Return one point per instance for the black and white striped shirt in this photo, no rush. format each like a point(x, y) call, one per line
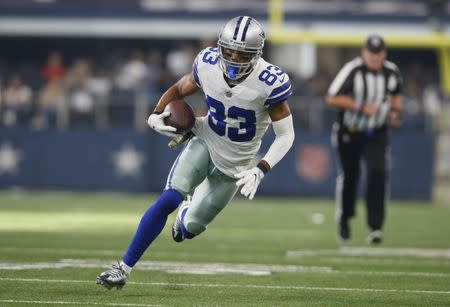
point(364, 85)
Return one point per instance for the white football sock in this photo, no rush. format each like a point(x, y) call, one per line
point(125, 267)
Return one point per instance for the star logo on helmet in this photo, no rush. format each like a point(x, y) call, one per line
point(262, 34)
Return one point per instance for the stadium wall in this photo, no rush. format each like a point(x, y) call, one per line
point(126, 160)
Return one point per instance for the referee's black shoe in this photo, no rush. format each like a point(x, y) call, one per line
point(344, 231)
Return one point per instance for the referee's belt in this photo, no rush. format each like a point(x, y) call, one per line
point(353, 130)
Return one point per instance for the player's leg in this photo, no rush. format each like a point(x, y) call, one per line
point(188, 170)
point(376, 155)
point(209, 198)
point(187, 177)
point(150, 226)
point(177, 231)
point(349, 151)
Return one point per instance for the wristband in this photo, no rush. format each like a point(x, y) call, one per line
point(263, 167)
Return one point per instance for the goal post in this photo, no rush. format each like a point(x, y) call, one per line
point(279, 33)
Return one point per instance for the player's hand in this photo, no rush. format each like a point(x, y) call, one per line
point(395, 119)
point(156, 122)
point(370, 108)
point(249, 180)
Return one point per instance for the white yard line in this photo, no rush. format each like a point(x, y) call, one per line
point(172, 267)
point(373, 251)
point(35, 280)
point(388, 273)
point(382, 260)
point(211, 268)
point(74, 303)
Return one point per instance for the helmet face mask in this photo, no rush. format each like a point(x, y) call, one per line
point(236, 66)
point(240, 46)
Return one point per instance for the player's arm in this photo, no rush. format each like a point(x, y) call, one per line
point(347, 102)
point(396, 109)
point(339, 90)
point(284, 137)
point(282, 125)
point(396, 87)
point(341, 101)
point(184, 87)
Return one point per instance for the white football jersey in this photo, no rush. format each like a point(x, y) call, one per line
point(237, 118)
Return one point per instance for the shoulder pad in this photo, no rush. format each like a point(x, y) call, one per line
point(279, 84)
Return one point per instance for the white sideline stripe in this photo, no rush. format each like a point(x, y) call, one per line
point(74, 303)
point(387, 273)
point(245, 269)
point(173, 267)
point(236, 286)
point(379, 251)
point(386, 261)
point(210, 268)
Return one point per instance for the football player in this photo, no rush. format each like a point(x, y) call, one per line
point(244, 94)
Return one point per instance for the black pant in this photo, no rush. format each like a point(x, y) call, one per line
point(371, 148)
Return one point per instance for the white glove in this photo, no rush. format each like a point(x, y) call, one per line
point(249, 180)
point(156, 122)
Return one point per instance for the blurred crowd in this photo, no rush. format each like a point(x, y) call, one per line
point(119, 90)
point(122, 87)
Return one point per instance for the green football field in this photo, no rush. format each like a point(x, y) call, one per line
point(265, 252)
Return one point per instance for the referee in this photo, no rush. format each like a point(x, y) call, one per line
point(367, 93)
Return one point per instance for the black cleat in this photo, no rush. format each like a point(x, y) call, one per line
point(344, 231)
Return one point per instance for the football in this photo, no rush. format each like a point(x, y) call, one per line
point(181, 116)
